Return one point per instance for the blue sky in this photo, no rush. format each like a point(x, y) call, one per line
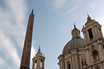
point(53, 23)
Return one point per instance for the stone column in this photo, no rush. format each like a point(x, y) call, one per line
point(33, 65)
point(38, 63)
point(101, 55)
point(63, 64)
point(93, 31)
point(84, 33)
point(96, 30)
point(73, 62)
point(43, 64)
point(88, 57)
point(87, 35)
point(100, 32)
point(77, 61)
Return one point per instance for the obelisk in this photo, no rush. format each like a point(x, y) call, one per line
point(25, 61)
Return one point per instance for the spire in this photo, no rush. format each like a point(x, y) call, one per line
point(74, 26)
point(38, 60)
point(39, 50)
point(88, 18)
point(75, 32)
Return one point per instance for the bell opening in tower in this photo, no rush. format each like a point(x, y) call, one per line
point(90, 33)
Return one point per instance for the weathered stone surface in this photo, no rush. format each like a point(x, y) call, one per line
point(25, 61)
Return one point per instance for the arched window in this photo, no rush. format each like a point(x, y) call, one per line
point(97, 67)
point(83, 61)
point(90, 33)
point(68, 65)
point(95, 55)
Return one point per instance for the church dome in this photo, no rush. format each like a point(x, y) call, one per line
point(75, 42)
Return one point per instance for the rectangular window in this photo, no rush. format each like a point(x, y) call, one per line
point(69, 66)
point(90, 33)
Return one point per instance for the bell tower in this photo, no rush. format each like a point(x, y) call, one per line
point(25, 61)
point(92, 31)
point(75, 32)
point(93, 43)
point(38, 60)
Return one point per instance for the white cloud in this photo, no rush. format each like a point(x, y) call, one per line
point(92, 5)
point(2, 61)
point(73, 6)
point(64, 6)
point(17, 11)
point(56, 4)
point(59, 3)
point(33, 52)
point(12, 30)
point(7, 46)
point(71, 10)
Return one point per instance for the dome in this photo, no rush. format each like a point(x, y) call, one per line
point(73, 44)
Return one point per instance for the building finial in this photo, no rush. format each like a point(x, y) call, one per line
point(88, 15)
point(75, 32)
point(39, 46)
point(88, 18)
point(39, 49)
point(32, 10)
point(74, 26)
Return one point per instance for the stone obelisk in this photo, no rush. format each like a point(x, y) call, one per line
point(25, 61)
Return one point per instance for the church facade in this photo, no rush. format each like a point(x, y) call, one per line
point(78, 53)
point(87, 53)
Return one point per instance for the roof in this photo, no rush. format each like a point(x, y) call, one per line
point(75, 43)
